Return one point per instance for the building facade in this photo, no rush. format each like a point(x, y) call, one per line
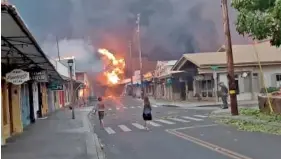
point(209, 69)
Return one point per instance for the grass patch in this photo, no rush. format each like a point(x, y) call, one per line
point(252, 127)
point(256, 113)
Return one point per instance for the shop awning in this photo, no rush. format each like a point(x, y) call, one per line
point(19, 48)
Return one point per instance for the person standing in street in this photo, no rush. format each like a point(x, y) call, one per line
point(224, 95)
point(100, 108)
point(147, 112)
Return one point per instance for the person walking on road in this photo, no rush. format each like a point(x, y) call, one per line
point(100, 108)
point(147, 111)
point(224, 95)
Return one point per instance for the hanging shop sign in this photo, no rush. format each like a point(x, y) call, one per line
point(55, 86)
point(39, 76)
point(17, 76)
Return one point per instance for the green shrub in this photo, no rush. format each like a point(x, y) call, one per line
point(269, 90)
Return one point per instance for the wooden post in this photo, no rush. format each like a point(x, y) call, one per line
point(229, 56)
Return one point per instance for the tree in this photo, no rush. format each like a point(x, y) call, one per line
point(260, 19)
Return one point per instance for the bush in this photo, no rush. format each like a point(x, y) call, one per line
point(269, 89)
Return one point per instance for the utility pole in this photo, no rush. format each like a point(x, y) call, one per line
point(140, 53)
point(58, 48)
point(131, 62)
point(131, 66)
point(229, 56)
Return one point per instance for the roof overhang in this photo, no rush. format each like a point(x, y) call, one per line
point(170, 74)
point(178, 64)
point(19, 49)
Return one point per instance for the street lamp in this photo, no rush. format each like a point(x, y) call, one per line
point(70, 64)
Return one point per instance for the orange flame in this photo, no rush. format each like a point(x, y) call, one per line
point(117, 67)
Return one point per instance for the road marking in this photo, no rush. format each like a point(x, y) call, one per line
point(208, 145)
point(190, 118)
point(124, 128)
point(109, 130)
point(137, 125)
point(139, 106)
point(117, 108)
point(109, 109)
point(180, 120)
point(132, 107)
point(125, 107)
point(165, 121)
point(198, 126)
point(154, 124)
point(155, 106)
point(200, 116)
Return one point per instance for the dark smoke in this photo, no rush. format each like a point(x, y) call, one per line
point(169, 28)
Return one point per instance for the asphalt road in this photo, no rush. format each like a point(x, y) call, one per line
point(176, 133)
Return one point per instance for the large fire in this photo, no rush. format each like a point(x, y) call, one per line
point(116, 67)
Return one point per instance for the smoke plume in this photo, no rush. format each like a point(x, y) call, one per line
point(169, 28)
point(80, 48)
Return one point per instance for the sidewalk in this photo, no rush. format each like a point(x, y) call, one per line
point(57, 137)
point(188, 104)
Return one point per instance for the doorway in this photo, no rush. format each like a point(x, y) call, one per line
point(31, 104)
point(25, 105)
point(183, 91)
point(39, 112)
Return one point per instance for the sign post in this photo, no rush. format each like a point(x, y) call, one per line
point(215, 76)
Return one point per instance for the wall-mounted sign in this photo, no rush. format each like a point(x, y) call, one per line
point(39, 76)
point(214, 68)
point(17, 76)
point(55, 86)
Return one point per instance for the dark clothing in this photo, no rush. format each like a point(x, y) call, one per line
point(147, 116)
point(224, 95)
point(224, 102)
point(147, 113)
point(224, 91)
point(101, 114)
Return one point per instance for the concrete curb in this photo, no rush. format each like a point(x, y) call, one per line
point(94, 149)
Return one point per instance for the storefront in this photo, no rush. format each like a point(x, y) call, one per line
point(20, 56)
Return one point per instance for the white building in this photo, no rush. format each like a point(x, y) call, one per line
point(211, 68)
point(163, 73)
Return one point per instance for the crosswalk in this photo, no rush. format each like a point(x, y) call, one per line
point(130, 107)
point(158, 122)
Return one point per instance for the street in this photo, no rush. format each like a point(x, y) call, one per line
point(176, 133)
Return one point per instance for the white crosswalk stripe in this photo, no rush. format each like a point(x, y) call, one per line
point(155, 106)
point(190, 118)
point(153, 124)
point(200, 116)
point(109, 109)
point(139, 106)
point(117, 108)
point(124, 128)
point(137, 125)
point(125, 107)
point(132, 107)
point(179, 120)
point(109, 130)
point(165, 121)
